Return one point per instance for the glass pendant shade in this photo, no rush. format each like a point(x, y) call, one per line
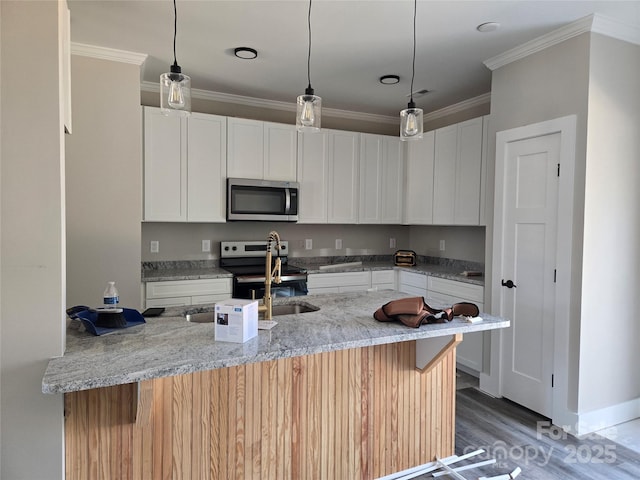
point(411, 123)
point(308, 112)
point(175, 93)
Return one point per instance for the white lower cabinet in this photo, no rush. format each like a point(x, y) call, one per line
point(442, 292)
point(412, 283)
point(339, 282)
point(383, 279)
point(173, 293)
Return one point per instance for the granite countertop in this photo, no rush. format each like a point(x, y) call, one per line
point(441, 271)
point(195, 271)
point(168, 345)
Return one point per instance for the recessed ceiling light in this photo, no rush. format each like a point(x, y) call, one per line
point(389, 79)
point(245, 53)
point(488, 27)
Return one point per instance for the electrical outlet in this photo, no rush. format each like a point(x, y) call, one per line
point(442, 245)
point(154, 246)
point(308, 244)
point(338, 244)
point(392, 243)
point(206, 245)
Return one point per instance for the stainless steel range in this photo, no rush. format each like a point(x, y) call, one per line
point(246, 261)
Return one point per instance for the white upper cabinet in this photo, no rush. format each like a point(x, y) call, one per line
point(392, 180)
point(184, 167)
point(206, 168)
point(245, 157)
point(165, 167)
point(328, 176)
point(280, 150)
point(343, 176)
point(419, 191)
point(457, 174)
point(313, 176)
point(370, 178)
point(381, 179)
point(261, 150)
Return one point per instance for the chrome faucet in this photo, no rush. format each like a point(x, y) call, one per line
point(271, 275)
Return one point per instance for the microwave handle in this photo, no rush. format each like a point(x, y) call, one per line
point(287, 201)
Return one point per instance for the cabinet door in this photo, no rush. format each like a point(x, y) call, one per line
point(468, 172)
point(165, 168)
point(280, 148)
point(444, 175)
point(343, 177)
point(392, 181)
point(206, 168)
point(370, 178)
point(245, 148)
point(412, 283)
point(419, 191)
point(313, 173)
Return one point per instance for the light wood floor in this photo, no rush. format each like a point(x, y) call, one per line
point(517, 437)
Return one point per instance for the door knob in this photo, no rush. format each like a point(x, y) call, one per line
point(508, 284)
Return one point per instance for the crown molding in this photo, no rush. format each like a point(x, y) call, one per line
point(105, 53)
point(458, 107)
point(615, 29)
point(592, 23)
point(274, 104)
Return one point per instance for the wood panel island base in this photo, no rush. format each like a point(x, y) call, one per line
point(349, 414)
point(331, 394)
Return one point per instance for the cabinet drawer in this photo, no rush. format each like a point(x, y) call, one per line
point(183, 288)
point(319, 280)
point(436, 299)
point(168, 302)
point(467, 291)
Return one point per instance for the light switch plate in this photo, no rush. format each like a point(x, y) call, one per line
point(206, 245)
point(308, 244)
point(338, 244)
point(154, 246)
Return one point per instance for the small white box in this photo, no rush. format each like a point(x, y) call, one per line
point(236, 320)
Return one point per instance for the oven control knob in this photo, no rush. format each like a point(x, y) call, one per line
point(226, 249)
point(234, 248)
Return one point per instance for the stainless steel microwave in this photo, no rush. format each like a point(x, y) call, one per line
point(262, 200)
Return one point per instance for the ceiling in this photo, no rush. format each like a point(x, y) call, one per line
point(353, 44)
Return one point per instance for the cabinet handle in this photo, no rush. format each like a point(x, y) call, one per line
point(508, 284)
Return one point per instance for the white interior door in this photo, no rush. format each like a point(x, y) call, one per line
point(529, 235)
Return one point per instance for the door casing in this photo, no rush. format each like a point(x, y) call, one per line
point(490, 381)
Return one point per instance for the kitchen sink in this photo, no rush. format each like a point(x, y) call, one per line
point(292, 308)
point(201, 317)
point(276, 310)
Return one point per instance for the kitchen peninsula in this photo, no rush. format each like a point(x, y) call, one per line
point(326, 394)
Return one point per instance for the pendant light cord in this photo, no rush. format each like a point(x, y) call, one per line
point(309, 53)
point(413, 62)
point(175, 30)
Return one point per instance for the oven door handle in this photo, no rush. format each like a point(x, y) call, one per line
point(260, 279)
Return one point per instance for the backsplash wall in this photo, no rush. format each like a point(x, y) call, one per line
point(183, 241)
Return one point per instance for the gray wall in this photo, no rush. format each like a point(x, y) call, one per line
point(596, 78)
point(32, 248)
point(104, 182)
point(611, 248)
point(549, 84)
point(183, 241)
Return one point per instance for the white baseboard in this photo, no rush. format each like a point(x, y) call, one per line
point(595, 420)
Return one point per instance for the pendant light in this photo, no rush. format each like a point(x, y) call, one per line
point(411, 123)
point(175, 87)
point(309, 105)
